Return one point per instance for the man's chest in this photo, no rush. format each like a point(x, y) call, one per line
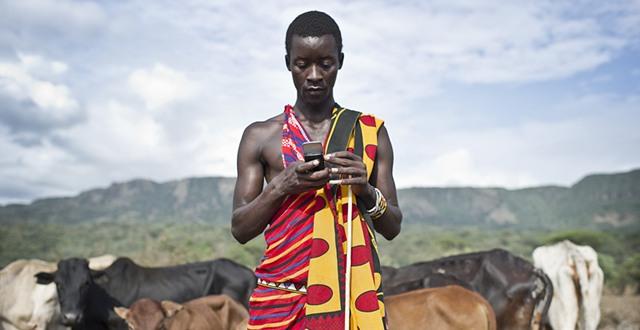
point(271, 155)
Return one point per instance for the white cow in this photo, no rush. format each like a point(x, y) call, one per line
point(577, 284)
point(27, 306)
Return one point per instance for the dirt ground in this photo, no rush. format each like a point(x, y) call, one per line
point(620, 312)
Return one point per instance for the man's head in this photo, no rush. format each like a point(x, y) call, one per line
point(313, 24)
point(314, 55)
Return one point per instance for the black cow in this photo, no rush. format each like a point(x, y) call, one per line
point(87, 297)
point(434, 280)
point(519, 293)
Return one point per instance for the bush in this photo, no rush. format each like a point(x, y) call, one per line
point(631, 271)
point(600, 241)
point(159, 244)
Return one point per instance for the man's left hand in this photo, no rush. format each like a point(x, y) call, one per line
point(348, 168)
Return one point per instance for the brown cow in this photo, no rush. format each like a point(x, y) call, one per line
point(444, 308)
point(519, 293)
point(217, 312)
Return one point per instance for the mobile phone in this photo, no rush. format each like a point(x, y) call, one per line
point(313, 150)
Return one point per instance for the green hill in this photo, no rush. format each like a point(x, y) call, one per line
point(603, 200)
point(194, 199)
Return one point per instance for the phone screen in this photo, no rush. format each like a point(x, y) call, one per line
point(313, 150)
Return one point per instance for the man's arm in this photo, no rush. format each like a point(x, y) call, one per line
point(254, 207)
point(249, 201)
point(382, 177)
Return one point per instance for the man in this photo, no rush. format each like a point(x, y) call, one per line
point(303, 208)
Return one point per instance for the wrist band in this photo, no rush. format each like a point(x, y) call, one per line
point(378, 198)
point(380, 207)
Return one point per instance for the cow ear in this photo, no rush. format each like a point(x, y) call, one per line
point(44, 278)
point(170, 308)
point(122, 312)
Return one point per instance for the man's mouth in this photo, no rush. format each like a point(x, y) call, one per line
point(315, 90)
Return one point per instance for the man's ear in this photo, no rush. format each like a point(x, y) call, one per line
point(170, 308)
point(44, 278)
point(286, 61)
point(340, 60)
point(122, 312)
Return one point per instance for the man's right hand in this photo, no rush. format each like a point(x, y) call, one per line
point(300, 177)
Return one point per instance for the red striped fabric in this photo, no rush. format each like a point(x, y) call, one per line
point(288, 237)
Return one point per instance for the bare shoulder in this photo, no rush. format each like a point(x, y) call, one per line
point(262, 130)
point(260, 139)
point(265, 128)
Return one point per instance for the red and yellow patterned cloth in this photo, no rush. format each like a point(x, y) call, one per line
point(306, 242)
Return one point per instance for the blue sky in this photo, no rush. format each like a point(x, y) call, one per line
point(474, 93)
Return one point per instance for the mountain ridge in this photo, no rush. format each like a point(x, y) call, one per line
point(595, 200)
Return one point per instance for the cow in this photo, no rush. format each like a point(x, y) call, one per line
point(450, 307)
point(577, 279)
point(518, 293)
point(25, 305)
point(433, 280)
point(87, 297)
point(218, 312)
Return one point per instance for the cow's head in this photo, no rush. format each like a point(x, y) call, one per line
point(73, 281)
point(144, 314)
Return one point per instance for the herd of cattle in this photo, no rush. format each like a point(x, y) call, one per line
point(483, 290)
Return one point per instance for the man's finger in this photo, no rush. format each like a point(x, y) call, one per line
point(308, 166)
point(318, 175)
point(342, 154)
point(347, 170)
point(348, 181)
point(314, 177)
point(347, 162)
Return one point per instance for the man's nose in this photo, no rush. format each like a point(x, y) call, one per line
point(314, 74)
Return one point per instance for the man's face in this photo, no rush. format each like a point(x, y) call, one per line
point(314, 64)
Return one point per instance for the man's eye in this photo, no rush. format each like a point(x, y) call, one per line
point(301, 64)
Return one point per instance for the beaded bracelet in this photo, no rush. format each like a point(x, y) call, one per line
point(380, 207)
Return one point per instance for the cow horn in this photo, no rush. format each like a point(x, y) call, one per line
point(122, 312)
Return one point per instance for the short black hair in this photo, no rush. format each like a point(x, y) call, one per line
point(313, 24)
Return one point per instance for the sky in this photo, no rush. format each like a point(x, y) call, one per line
point(473, 93)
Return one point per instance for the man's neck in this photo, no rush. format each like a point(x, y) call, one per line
point(315, 113)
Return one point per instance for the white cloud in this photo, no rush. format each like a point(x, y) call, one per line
point(529, 153)
point(38, 65)
point(115, 133)
point(160, 86)
point(457, 167)
point(20, 80)
point(40, 170)
point(477, 42)
point(58, 15)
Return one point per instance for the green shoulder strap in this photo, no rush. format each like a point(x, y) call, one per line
point(346, 121)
